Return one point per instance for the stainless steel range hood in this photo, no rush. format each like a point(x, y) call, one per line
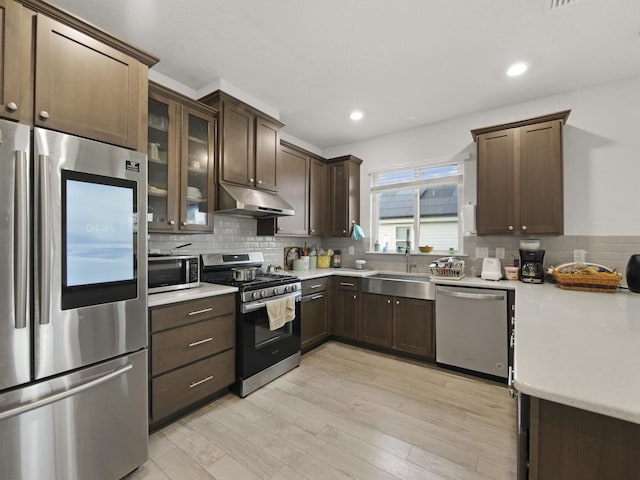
point(249, 202)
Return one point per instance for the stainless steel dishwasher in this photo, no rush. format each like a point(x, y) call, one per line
point(472, 329)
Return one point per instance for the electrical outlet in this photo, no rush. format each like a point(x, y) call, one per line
point(579, 256)
point(500, 253)
point(351, 250)
point(482, 252)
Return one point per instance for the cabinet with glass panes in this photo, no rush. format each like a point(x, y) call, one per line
point(181, 162)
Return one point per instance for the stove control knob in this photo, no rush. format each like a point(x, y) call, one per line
point(263, 293)
point(255, 295)
point(291, 288)
point(276, 291)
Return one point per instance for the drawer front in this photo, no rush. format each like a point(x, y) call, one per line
point(346, 283)
point(181, 388)
point(191, 312)
point(177, 347)
point(314, 285)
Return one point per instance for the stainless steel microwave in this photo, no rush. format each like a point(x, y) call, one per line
point(173, 273)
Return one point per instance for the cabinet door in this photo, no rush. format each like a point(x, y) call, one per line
point(317, 197)
point(84, 87)
point(376, 314)
point(315, 327)
point(10, 64)
point(339, 213)
point(238, 157)
point(345, 311)
point(413, 326)
point(293, 178)
point(196, 196)
point(497, 200)
point(541, 189)
point(267, 153)
point(162, 154)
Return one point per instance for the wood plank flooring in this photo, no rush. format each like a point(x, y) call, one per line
point(345, 413)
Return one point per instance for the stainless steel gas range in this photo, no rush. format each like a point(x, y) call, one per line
point(262, 354)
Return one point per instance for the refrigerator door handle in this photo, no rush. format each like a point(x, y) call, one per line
point(56, 397)
point(22, 236)
point(45, 256)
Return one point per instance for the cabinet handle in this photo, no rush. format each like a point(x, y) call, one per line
point(344, 231)
point(511, 228)
point(524, 228)
point(251, 180)
point(44, 115)
point(200, 342)
point(316, 297)
point(313, 231)
point(204, 310)
point(388, 301)
point(172, 222)
point(346, 284)
point(316, 286)
point(512, 341)
point(512, 390)
point(12, 107)
point(195, 384)
point(259, 182)
point(397, 302)
point(279, 229)
point(355, 297)
point(185, 223)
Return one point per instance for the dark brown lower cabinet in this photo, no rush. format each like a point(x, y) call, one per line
point(376, 312)
point(403, 324)
point(413, 326)
point(344, 307)
point(570, 443)
point(314, 315)
point(192, 354)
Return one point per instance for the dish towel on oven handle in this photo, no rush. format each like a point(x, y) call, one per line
point(281, 311)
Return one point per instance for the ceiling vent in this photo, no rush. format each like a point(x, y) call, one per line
point(555, 4)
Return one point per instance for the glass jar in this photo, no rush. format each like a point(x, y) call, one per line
point(337, 259)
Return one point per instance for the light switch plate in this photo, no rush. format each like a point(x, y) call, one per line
point(579, 255)
point(500, 252)
point(351, 250)
point(482, 252)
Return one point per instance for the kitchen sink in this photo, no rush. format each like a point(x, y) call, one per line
point(399, 285)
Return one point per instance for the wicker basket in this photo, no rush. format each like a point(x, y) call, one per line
point(598, 282)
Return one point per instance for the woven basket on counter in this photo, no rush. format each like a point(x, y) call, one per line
point(602, 281)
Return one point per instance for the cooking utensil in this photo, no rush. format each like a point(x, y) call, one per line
point(244, 274)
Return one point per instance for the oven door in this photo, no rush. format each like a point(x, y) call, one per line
point(259, 347)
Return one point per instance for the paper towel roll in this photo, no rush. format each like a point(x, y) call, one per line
point(469, 219)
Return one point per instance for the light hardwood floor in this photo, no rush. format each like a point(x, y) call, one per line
point(345, 413)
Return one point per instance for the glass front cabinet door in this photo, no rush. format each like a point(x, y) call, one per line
point(181, 163)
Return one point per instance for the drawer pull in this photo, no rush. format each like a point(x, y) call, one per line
point(316, 297)
point(316, 286)
point(199, 382)
point(345, 284)
point(204, 310)
point(200, 342)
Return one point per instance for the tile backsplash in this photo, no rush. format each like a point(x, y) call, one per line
point(234, 234)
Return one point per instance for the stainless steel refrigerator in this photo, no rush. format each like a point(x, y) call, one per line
point(73, 288)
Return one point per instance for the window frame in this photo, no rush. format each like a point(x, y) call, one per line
point(375, 192)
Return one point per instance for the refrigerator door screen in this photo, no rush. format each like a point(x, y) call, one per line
point(98, 232)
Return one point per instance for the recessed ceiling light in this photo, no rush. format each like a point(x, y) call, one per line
point(356, 115)
point(517, 69)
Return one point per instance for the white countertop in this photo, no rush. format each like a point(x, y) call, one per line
point(203, 291)
point(579, 348)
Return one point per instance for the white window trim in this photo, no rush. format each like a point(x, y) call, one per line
point(374, 192)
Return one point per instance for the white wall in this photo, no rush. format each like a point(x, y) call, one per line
point(601, 154)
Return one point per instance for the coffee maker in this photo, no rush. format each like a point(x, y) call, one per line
point(531, 266)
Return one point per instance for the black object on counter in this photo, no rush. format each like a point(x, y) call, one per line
point(633, 273)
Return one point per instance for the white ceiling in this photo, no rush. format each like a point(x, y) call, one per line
point(403, 63)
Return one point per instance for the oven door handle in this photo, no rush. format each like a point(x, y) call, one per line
point(253, 306)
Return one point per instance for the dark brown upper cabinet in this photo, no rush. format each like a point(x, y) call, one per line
point(344, 187)
point(181, 153)
point(11, 37)
point(520, 177)
point(318, 197)
point(72, 77)
point(248, 143)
